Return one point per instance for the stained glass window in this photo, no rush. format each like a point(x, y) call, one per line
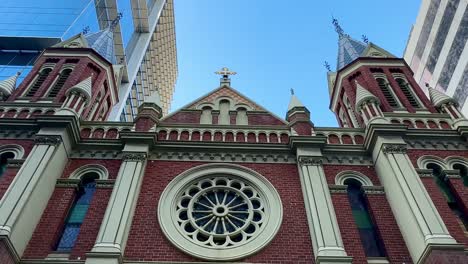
point(370, 239)
point(77, 214)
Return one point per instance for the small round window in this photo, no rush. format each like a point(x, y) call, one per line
point(223, 215)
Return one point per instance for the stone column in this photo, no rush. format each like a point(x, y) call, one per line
point(26, 198)
point(112, 237)
point(325, 233)
point(420, 223)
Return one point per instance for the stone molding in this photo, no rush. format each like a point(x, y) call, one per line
point(374, 189)
point(424, 173)
point(310, 161)
point(105, 184)
point(15, 163)
point(96, 154)
point(225, 157)
point(436, 144)
point(47, 140)
point(132, 156)
point(67, 183)
point(394, 149)
point(452, 174)
point(337, 188)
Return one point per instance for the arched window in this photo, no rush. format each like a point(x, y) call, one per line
point(452, 200)
point(77, 213)
point(206, 116)
point(405, 88)
point(39, 81)
point(463, 172)
point(370, 239)
point(387, 93)
point(4, 157)
point(60, 82)
point(241, 117)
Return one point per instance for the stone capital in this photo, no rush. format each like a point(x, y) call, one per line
point(130, 156)
point(47, 140)
point(310, 161)
point(394, 148)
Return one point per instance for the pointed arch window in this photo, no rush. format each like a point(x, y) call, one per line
point(77, 213)
point(60, 82)
point(38, 82)
point(452, 199)
point(406, 89)
point(370, 239)
point(389, 96)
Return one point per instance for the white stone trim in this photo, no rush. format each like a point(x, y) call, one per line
point(17, 150)
point(272, 221)
point(341, 177)
point(423, 161)
point(96, 168)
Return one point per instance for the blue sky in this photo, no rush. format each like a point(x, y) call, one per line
point(273, 45)
point(277, 45)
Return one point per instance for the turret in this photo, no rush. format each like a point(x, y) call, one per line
point(384, 76)
point(7, 86)
point(298, 117)
point(368, 106)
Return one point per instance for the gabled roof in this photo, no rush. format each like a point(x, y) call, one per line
point(225, 92)
point(102, 42)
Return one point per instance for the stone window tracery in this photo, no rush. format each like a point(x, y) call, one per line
point(220, 212)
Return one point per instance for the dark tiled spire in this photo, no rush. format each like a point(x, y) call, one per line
point(349, 49)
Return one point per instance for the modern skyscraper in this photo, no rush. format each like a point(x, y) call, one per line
point(437, 49)
point(147, 61)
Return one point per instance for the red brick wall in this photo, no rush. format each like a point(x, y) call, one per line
point(25, 143)
point(91, 224)
point(263, 119)
point(6, 179)
point(444, 210)
point(389, 231)
point(291, 245)
point(348, 228)
point(332, 170)
point(5, 257)
point(444, 256)
point(184, 118)
point(112, 166)
point(415, 154)
point(47, 232)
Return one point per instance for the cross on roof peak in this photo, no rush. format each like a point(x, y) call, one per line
point(225, 72)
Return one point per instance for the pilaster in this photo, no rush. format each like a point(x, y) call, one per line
point(416, 215)
point(324, 231)
point(113, 234)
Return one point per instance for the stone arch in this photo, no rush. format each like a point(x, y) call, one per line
point(17, 150)
point(98, 169)
point(341, 177)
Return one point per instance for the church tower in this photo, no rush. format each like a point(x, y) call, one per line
point(370, 81)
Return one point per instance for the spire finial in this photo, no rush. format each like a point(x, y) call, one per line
point(86, 30)
point(225, 72)
point(116, 20)
point(327, 65)
point(365, 39)
point(338, 28)
point(292, 91)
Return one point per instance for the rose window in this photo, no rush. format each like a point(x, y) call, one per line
point(220, 212)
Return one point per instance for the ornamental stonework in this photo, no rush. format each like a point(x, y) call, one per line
point(47, 140)
point(394, 149)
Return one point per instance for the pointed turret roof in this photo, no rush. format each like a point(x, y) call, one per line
point(8, 85)
point(438, 98)
point(362, 95)
point(294, 101)
point(349, 49)
point(103, 43)
point(84, 87)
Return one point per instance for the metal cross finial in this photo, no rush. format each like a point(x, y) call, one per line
point(115, 22)
point(365, 39)
point(338, 28)
point(327, 65)
point(225, 72)
point(292, 91)
point(86, 30)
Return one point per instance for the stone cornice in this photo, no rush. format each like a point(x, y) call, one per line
point(148, 138)
point(394, 148)
point(307, 141)
point(337, 188)
point(47, 140)
point(67, 183)
point(134, 156)
point(374, 131)
point(424, 173)
point(70, 123)
point(15, 163)
point(374, 189)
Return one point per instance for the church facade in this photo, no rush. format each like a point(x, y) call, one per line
point(223, 179)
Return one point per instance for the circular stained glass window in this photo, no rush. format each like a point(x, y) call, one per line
point(220, 212)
